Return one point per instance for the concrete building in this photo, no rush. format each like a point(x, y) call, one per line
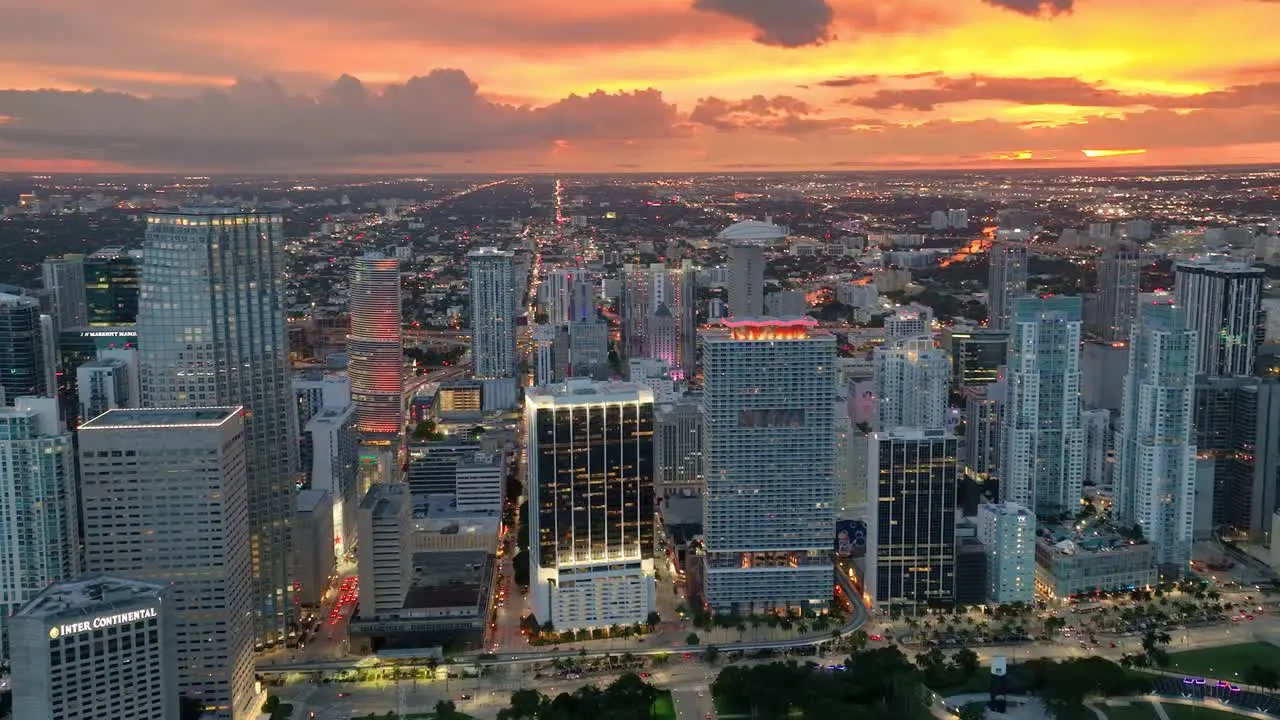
point(460, 400)
point(22, 349)
point(911, 377)
point(568, 295)
point(591, 513)
point(374, 347)
point(1223, 303)
point(664, 336)
point(106, 384)
point(1008, 534)
point(976, 355)
point(96, 648)
point(211, 315)
point(1069, 563)
point(769, 463)
point(644, 287)
point(544, 358)
point(39, 508)
point(433, 466)
point(677, 427)
point(335, 452)
point(64, 279)
point(913, 484)
point(984, 411)
point(1118, 284)
point(478, 483)
point(1006, 281)
point(1098, 446)
point(314, 562)
point(166, 501)
point(684, 301)
point(493, 314)
point(786, 303)
point(746, 279)
point(912, 322)
point(315, 391)
point(384, 555)
point(1103, 366)
point(588, 354)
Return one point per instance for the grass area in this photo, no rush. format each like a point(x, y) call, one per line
point(664, 708)
point(1136, 711)
point(1228, 662)
point(1189, 712)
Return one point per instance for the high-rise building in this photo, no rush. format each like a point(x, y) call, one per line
point(1042, 456)
point(746, 279)
point(493, 314)
point(1118, 284)
point(334, 446)
point(678, 448)
point(478, 483)
point(108, 383)
point(1008, 533)
point(64, 278)
point(664, 334)
point(385, 555)
point(1155, 443)
point(96, 648)
point(958, 218)
point(591, 503)
point(315, 391)
point(769, 462)
point(111, 278)
point(912, 322)
point(1223, 304)
point(588, 354)
point(1098, 446)
point(1006, 281)
point(22, 349)
point(166, 501)
point(976, 355)
point(684, 302)
point(913, 484)
point(212, 333)
point(568, 295)
point(1237, 429)
point(643, 288)
point(984, 409)
point(39, 512)
point(544, 344)
point(375, 350)
point(911, 384)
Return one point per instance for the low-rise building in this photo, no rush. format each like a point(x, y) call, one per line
point(1070, 562)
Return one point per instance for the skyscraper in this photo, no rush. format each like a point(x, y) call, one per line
point(769, 461)
point(1006, 281)
point(211, 327)
point(1223, 304)
point(64, 278)
point(1118, 284)
point(976, 355)
point(684, 302)
point(678, 448)
point(746, 279)
point(493, 314)
point(166, 501)
point(643, 287)
point(39, 513)
point(111, 286)
point(591, 514)
point(22, 349)
point(1042, 458)
point(1008, 533)
point(375, 349)
point(568, 295)
point(913, 483)
point(664, 332)
point(911, 384)
point(1155, 443)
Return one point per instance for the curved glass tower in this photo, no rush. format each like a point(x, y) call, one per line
point(374, 345)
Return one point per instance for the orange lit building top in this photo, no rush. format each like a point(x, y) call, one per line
point(766, 328)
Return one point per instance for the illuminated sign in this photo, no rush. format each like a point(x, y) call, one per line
point(108, 333)
point(102, 621)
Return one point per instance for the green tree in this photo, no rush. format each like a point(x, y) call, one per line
point(966, 662)
point(692, 639)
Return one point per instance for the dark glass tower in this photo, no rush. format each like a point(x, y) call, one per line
point(22, 358)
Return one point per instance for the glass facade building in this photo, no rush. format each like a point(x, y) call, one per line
point(111, 279)
point(23, 370)
point(1118, 285)
point(1006, 281)
point(374, 347)
point(1223, 304)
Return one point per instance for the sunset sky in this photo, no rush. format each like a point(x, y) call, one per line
point(623, 85)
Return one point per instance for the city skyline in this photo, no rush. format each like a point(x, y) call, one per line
point(667, 86)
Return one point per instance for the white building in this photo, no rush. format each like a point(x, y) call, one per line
point(913, 321)
point(1223, 304)
point(568, 295)
point(166, 501)
point(478, 483)
point(97, 648)
point(493, 314)
point(1155, 442)
point(769, 463)
point(385, 555)
point(106, 384)
point(334, 446)
point(316, 391)
point(1008, 534)
point(37, 470)
point(591, 503)
point(544, 361)
point(911, 379)
point(958, 218)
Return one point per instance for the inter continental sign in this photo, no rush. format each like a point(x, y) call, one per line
point(102, 621)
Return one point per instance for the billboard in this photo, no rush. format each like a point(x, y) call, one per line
point(851, 538)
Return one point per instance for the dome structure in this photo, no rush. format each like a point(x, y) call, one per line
point(753, 231)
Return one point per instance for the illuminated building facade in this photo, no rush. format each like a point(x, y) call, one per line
point(1223, 304)
point(375, 348)
point(976, 355)
point(591, 503)
point(1008, 533)
point(769, 462)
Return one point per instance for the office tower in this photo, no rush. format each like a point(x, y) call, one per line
point(938, 220)
point(913, 484)
point(591, 503)
point(315, 390)
point(1155, 445)
point(493, 314)
point(108, 383)
point(643, 287)
point(746, 280)
point(1006, 281)
point(1118, 284)
point(1008, 532)
point(684, 303)
point(913, 322)
point(335, 452)
point(569, 295)
point(958, 218)
point(166, 495)
point(678, 448)
point(984, 409)
point(664, 336)
point(433, 466)
point(769, 462)
point(374, 347)
point(64, 278)
point(102, 647)
point(478, 483)
point(786, 303)
point(911, 384)
point(1042, 458)
point(314, 563)
point(1223, 304)
point(544, 342)
point(1098, 438)
point(1237, 429)
point(976, 355)
point(39, 513)
point(384, 555)
point(588, 350)
point(212, 333)
point(111, 278)
point(22, 349)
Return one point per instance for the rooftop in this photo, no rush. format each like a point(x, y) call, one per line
point(752, 231)
point(309, 500)
point(490, 252)
point(1220, 263)
point(163, 418)
point(584, 391)
point(89, 596)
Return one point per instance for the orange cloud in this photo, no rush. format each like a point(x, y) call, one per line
point(1111, 153)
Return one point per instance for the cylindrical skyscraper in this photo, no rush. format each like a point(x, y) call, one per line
point(374, 346)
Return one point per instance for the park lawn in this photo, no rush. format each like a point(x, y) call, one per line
point(663, 707)
point(1227, 662)
point(1136, 711)
point(1189, 712)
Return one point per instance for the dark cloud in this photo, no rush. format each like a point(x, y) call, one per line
point(1035, 7)
point(785, 23)
point(850, 81)
point(781, 113)
point(257, 124)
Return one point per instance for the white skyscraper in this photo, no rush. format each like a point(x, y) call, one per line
point(493, 314)
point(1008, 533)
point(166, 501)
point(769, 461)
point(1223, 304)
point(544, 367)
point(1156, 442)
point(1006, 281)
point(1042, 457)
point(212, 332)
point(374, 346)
point(40, 540)
point(911, 379)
